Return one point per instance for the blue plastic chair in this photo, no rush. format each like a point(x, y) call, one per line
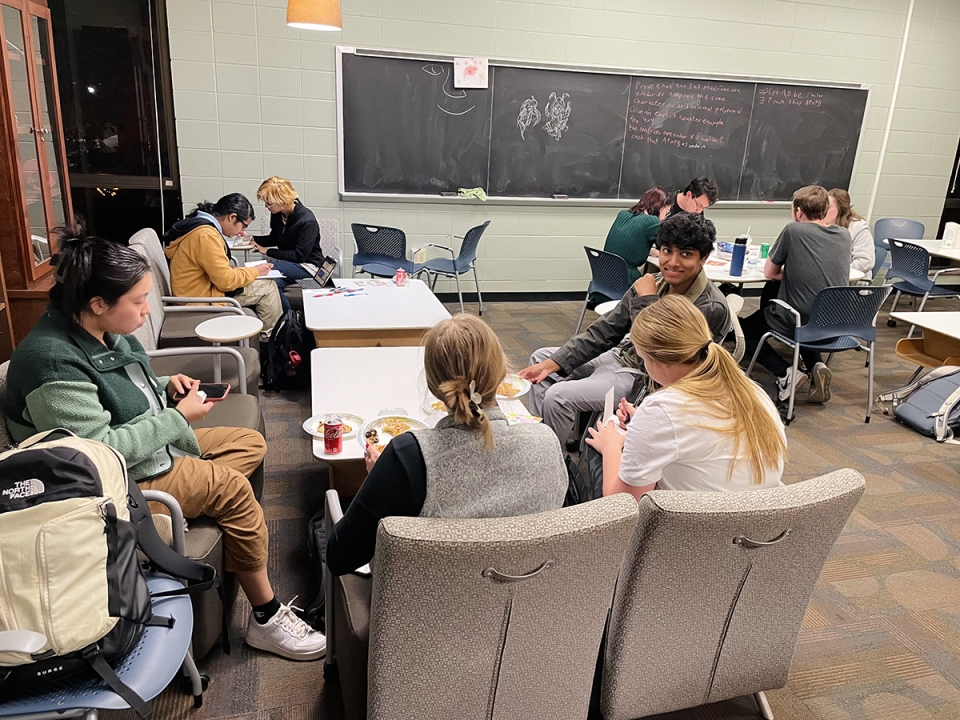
point(910, 266)
point(887, 228)
point(380, 250)
point(147, 669)
point(457, 266)
point(840, 318)
point(609, 278)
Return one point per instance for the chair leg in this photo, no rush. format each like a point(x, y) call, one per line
point(793, 387)
point(196, 682)
point(893, 308)
point(920, 309)
point(480, 299)
point(870, 384)
point(756, 352)
point(583, 312)
point(456, 277)
point(764, 706)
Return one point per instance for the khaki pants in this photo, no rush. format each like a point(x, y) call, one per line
point(216, 485)
point(264, 297)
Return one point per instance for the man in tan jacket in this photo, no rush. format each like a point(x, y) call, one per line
point(200, 260)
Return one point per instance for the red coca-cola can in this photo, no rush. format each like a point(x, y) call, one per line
point(400, 278)
point(332, 435)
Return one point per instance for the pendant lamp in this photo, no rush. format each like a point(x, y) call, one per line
point(314, 14)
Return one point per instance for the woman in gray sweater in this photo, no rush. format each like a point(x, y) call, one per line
point(471, 465)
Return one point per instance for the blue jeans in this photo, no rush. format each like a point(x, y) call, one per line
point(292, 272)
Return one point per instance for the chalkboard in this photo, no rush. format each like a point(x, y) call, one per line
point(541, 132)
point(563, 138)
point(406, 129)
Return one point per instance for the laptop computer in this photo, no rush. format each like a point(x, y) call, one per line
point(324, 272)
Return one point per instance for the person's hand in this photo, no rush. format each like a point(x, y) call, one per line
point(370, 456)
point(605, 438)
point(624, 412)
point(645, 285)
point(264, 268)
point(259, 248)
point(179, 384)
point(192, 407)
point(537, 373)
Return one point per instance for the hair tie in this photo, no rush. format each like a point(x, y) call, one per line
point(475, 397)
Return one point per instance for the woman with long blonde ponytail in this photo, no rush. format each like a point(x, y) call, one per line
point(708, 428)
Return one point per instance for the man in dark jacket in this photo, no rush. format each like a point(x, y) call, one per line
point(576, 377)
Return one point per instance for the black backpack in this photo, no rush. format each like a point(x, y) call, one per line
point(72, 498)
point(286, 363)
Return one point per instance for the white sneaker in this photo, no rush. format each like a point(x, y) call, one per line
point(286, 635)
point(820, 378)
point(787, 382)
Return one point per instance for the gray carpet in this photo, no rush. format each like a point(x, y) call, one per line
point(880, 640)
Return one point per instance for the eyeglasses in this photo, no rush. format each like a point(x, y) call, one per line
point(701, 208)
point(246, 224)
point(270, 205)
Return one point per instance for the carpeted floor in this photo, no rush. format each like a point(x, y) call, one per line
point(881, 637)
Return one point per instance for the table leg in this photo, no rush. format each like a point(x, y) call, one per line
point(216, 366)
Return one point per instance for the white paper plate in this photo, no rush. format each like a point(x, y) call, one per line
point(378, 424)
point(313, 425)
point(429, 404)
point(518, 383)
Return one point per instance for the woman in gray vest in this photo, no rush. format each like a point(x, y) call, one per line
point(471, 465)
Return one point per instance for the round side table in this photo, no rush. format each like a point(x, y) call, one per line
point(228, 329)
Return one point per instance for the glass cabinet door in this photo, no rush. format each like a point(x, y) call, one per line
point(29, 137)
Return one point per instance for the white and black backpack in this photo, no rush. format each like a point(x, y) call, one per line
point(71, 523)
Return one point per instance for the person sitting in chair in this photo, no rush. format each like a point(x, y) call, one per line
point(576, 377)
point(81, 369)
point(709, 428)
point(200, 260)
point(473, 464)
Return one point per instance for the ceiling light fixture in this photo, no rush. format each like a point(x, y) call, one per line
point(314, 14)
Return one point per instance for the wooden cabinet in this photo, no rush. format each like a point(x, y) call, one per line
point(34, 189)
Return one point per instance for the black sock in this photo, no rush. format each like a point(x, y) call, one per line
point(263, 613)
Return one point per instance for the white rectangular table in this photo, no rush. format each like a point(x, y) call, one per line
point(933, 247)
point(376, 316)
point(944, 323)
point(364, 381)
point(720, 273)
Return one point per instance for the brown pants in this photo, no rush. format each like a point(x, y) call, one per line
point(216, 485)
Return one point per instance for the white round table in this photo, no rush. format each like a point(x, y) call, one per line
point(605, 307)
point(228, 329)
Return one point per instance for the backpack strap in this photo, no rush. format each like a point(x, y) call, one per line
point(54, 434)
point(900, 394)
point(92, 655)
point(941, 418)
point(199, 576)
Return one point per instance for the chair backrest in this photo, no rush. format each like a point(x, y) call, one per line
point(5, 439)
point(387, 242)
point(735, 305)
point(330, 241)
point(608, 273)
point(703, 611)
point(887, 228)
point(911, 263)
point(847, 310)
point(456, 632)
point(149, 333)
point(148, 239)
point(468, 248)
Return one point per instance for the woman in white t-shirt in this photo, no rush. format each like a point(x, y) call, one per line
point(840, 212)
point(708, 428)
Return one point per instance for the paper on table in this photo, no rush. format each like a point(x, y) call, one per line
point(272, 275)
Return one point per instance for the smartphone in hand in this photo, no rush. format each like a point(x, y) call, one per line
point(213, 391)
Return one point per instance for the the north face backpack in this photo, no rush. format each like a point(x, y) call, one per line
point(287, 356)
point(70, 526)
point(930, 405)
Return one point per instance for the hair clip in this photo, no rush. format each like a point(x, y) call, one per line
point(475, 397)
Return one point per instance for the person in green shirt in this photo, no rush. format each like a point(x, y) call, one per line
point(632, 233)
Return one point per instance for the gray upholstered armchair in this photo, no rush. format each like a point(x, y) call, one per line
point(713, 590)
point(472, 619)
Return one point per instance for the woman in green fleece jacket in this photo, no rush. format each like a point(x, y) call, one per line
point(80, 369)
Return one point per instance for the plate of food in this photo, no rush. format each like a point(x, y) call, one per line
point(430, 404)
point(513, 387)
point(381, 430)
point(351, 423)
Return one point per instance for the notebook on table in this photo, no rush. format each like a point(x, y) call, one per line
point(324, 272)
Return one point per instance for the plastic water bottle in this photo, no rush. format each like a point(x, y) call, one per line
point(739, 250)
point(753, 259)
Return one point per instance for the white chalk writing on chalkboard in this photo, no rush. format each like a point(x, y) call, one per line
point(437, 70)
point(789, 96)
point(557, 111)
point(529, 115)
